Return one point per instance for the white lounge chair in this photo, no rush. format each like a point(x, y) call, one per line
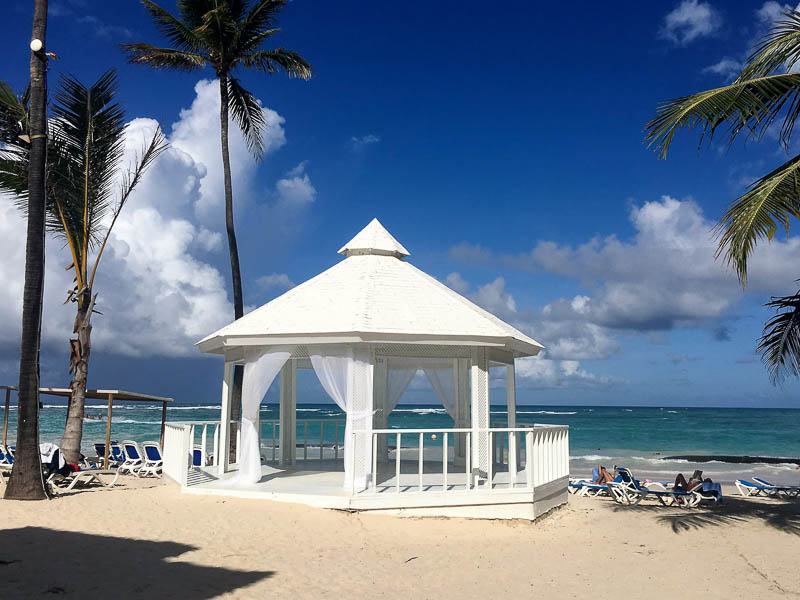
point(133, 457)
point(86, 477)
point(152, 460)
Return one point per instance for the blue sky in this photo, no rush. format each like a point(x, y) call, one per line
point(502, 145)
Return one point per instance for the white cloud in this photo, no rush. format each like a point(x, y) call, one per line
point(295, 189)
point(275, 281)
point(771, 12)
point(157, 289)
point(727, 68)
point(665, 277)
point(543, 373)
point(197, 133)
point(556, 366)
point(689, 21)
point(359, 142)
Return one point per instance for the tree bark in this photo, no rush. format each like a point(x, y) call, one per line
point(233, 249)
point(80, 348)
point(26, 481)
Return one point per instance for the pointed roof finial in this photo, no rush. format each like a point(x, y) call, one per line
point(374, 239)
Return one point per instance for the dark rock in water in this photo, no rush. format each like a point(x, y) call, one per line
point(698, 458)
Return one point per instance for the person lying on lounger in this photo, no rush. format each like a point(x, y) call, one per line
point(603, 476)
point(682, 485)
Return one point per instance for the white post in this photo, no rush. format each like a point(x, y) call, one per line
point(511, 402)
point(381, 418)
point(288, 413)
point(462, 420)
point(481, 453)
point(225, 418)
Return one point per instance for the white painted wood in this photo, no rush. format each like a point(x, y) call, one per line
point(225, 418)
point(421, 461)
point(288, 413)
point(481, 451)
point(398, 440)
point(445, 452)
point(365, 297)
point(511, 406)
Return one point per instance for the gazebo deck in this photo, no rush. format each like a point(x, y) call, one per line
point(319, 483)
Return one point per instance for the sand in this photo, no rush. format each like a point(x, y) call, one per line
point(146, 540)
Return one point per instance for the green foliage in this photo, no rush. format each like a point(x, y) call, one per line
point(87, 184)
point(766, 93)
point(780, 344)
point(225, 35)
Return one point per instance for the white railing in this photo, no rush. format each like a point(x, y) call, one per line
point(464, 460)
point(176, 452)
point(315, 439)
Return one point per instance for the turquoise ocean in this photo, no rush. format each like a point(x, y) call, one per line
point(640, 438)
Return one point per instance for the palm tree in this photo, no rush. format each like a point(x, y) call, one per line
point(766, 93)
point(87, 188)
point(226, 35)
point(26, 477)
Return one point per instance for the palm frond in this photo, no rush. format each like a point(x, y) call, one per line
point(193, 11)
point(780, 342)
point(263, 15)
point(248, 114)
point(13, 115)
point(130, 179)
point(91, 129)
point(769, 203)
point(279, 59)
point(778, 50)
point(164, 58)
point(181, 36)
point(750, 106)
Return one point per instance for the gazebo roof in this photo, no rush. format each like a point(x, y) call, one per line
point(373, 295)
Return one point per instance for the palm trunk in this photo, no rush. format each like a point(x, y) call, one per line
point(233, 249)
point(26, 481)
point(80, 348)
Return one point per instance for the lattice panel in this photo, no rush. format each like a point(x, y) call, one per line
point(423, 350)
point(480, 411)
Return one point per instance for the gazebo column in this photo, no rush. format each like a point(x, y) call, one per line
point(224, 448)
point(361, 403)
point(380, 393)
point(511, 405)
point(288, 413)
point(462, 417)
point(479, 375)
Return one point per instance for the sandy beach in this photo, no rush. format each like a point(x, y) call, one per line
point(145, 540)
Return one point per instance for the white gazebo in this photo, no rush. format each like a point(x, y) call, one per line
point(366, 326)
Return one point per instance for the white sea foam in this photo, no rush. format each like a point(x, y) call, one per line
point(422, 411)
point(546, 412)
point(591, 457)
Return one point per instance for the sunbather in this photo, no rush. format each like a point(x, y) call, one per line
point(681, 484)
point(603, 476)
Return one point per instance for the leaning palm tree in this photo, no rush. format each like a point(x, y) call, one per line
point(228, 36)
point(88, 185)
point(764, 97)
point(26, 477)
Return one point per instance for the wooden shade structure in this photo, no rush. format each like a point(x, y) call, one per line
point(108, 395)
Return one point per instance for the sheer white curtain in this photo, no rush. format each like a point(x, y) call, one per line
point(259, 374)
point(347, 378)
point(442, 377)
point(398, 378)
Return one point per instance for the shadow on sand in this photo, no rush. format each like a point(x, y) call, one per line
point(782, 515)
point(35, 561)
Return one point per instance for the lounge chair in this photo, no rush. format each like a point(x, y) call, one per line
point(86, 477)
point(630, 491)
point(116, 455)
point(588, 487)
point(133, 457)
point(152, 460)
point(5, 457)
point(791, 491)
point(751, 488)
